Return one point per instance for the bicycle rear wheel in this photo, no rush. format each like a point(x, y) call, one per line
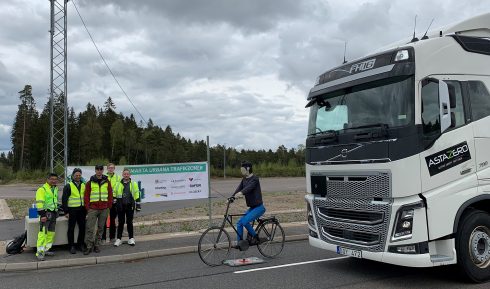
point(272, 238)
point(214, 246)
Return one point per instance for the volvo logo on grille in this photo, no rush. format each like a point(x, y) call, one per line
point(343, 153)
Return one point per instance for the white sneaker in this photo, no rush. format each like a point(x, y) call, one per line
point(117, 243)
point(131, 242)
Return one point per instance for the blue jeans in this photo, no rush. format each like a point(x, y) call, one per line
point(250, 215)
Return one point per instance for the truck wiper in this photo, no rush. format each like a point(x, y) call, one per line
point(325, 137)
point(380, 125)
point(322, 132)
point(377, 130)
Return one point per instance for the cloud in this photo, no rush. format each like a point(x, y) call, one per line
point(5, 137)
point(238, 71)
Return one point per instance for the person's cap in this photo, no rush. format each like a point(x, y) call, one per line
point(99, 167)
point(76, 170)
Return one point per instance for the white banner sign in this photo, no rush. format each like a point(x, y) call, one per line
point(169, 182)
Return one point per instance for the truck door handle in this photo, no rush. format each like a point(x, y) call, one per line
point(465, 171)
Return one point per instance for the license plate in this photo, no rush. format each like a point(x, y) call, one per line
point(349, 252)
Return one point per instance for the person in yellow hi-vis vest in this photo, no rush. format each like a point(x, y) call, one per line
point(128, 200)
point(113, 179)
point(47, 208)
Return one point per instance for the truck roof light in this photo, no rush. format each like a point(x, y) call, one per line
point(317, 81)
point(402, 55)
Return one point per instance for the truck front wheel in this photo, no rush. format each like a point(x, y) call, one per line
point(473, 245)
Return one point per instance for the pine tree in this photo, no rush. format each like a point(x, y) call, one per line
point(22, 129)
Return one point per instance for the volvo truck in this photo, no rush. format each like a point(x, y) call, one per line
point(398, 153)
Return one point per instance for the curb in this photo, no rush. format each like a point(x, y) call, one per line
point(30, 266)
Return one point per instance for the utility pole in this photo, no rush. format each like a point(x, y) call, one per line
point(58, 89)
point(224, 161)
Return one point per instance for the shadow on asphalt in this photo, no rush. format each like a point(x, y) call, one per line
point(415, 277)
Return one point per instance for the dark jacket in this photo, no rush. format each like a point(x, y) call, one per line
point(66, 196)
point(250, 187)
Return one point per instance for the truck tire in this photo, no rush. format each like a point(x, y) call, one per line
point(473, 245)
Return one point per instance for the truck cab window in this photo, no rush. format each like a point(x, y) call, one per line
point(479, 99)
point(430, 107)
point(459, 109)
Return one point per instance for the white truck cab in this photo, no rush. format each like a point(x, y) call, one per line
point(398, 153)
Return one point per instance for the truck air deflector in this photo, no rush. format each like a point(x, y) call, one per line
point(372, 72)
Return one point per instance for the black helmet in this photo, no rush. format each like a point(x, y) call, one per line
point(247, 165)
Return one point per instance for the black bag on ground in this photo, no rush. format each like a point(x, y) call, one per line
point(17, 245)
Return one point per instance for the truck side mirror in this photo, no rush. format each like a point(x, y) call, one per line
point(444, 106)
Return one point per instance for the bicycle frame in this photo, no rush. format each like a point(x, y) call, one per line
point(227, 218)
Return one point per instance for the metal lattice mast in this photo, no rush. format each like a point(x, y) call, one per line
point(58, 88)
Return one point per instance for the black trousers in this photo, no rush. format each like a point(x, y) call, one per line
point(76, 217)
point(125, 214)
point(112, 226)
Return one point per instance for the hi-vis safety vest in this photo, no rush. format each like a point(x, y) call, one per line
point(99, 193)
point(76, 197)
point(133, 187)
point(114, 180)
point(47, 198)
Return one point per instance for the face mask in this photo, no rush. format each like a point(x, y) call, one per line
point(244, 171)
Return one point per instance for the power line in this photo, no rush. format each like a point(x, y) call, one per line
point(108, 68)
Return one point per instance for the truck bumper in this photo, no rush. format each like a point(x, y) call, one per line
point(408, 260)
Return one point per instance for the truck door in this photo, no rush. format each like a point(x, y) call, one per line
point(448, 164)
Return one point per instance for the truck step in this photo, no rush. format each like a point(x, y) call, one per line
point(440, 258)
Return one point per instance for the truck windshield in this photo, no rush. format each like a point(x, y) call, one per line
point(389, 103)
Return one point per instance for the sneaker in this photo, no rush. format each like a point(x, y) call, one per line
point(117, 243)
point(87, 251)
point(49, 253)
point(113, 240)
point(73, 250)
point(40, 256)
point(131, 242)
point(96, 249)
point(254, 241)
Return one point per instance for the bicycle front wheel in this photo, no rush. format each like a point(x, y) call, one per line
point(214, 246)
point(272, 238)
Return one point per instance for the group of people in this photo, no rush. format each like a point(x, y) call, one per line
point(88, 205)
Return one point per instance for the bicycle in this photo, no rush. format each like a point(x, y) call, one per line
point(215, 243)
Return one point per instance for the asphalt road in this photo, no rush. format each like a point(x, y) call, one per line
point(299, 266)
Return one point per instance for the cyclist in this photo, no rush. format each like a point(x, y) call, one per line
point(249, 188)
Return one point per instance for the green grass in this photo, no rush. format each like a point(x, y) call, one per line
point(20, 207)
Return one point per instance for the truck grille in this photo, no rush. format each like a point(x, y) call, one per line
point(352, 236)
point(351, 215)
point(354, 185)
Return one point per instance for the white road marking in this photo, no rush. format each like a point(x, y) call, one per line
point(291, 264)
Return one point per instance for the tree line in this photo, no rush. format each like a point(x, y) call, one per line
point(100, 135)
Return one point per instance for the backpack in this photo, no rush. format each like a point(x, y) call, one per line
point(17, 245)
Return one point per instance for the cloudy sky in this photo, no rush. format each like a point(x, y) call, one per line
point(236, 70)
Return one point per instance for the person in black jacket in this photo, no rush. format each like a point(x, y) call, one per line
point(249, 187)
point(73, 204)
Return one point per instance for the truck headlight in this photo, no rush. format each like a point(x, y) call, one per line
point(403, 226)
point(402, 55)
